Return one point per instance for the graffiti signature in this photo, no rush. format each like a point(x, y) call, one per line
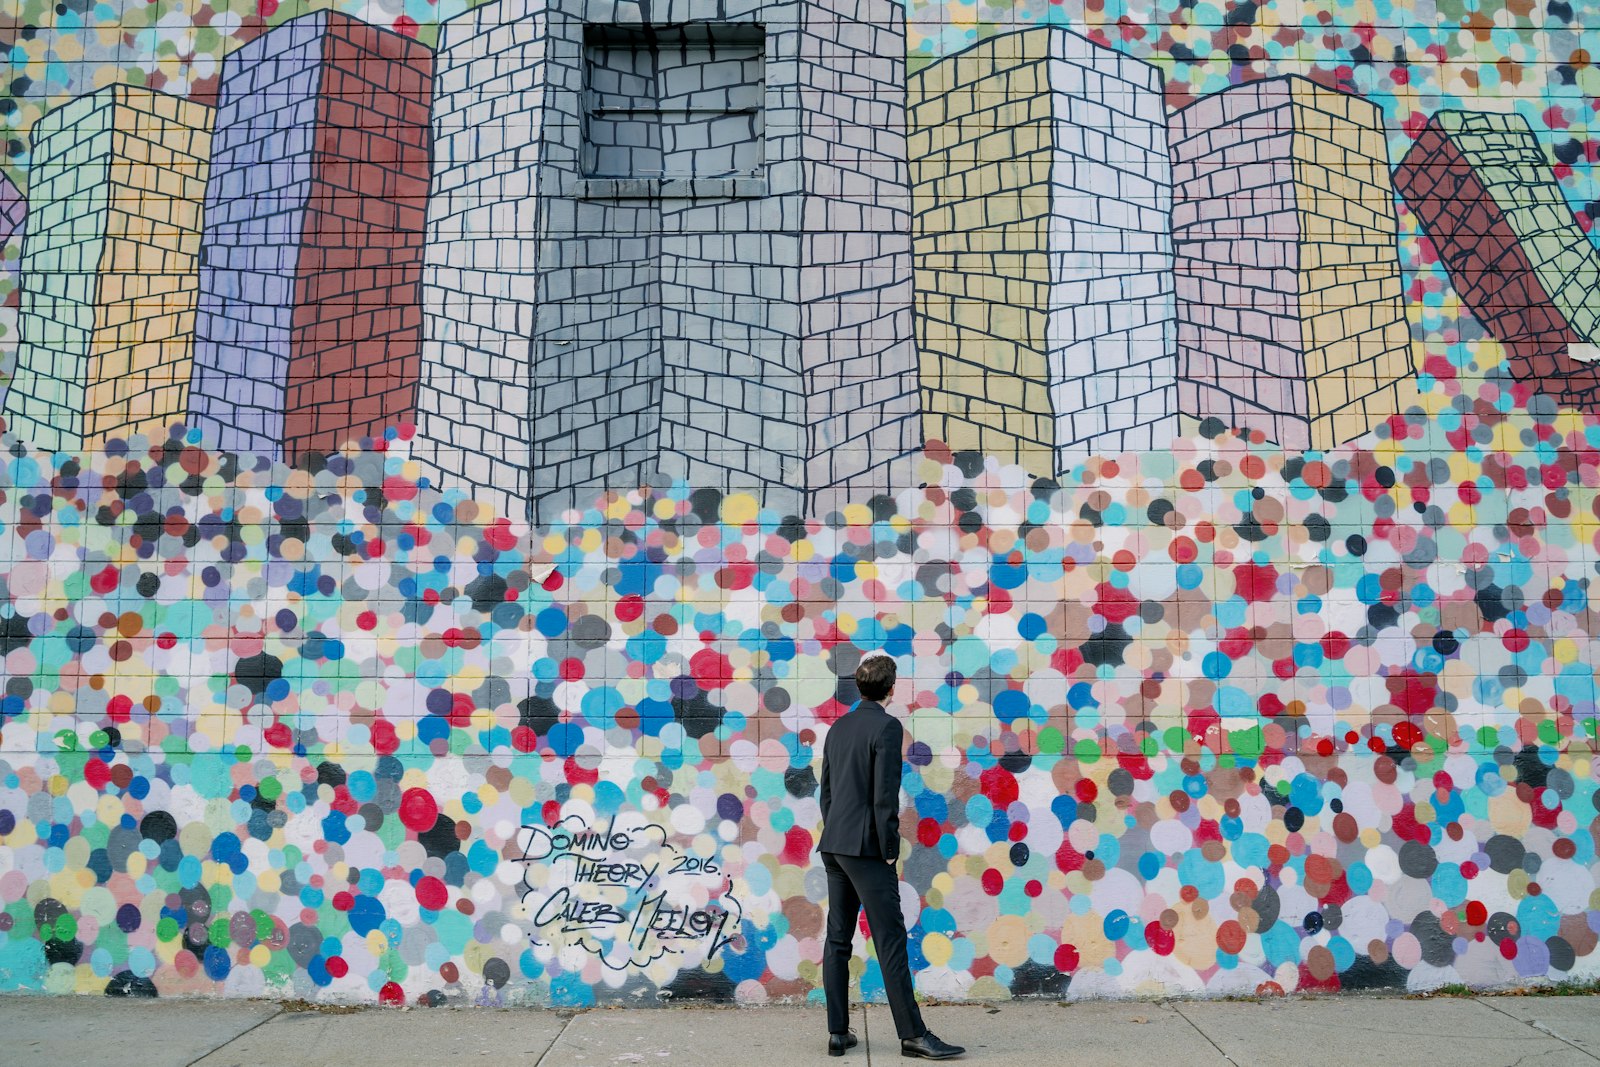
point(624, 893)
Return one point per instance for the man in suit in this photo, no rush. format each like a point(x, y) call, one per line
point(860, 843)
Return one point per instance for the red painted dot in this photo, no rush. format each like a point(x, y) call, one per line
point(1066, 960)
point(96, 773)
point(337, 966)
point(391, 993)
point(384, 740)
point(418, 810)
point(992, 882)
point(1034, 887)
point(432, 893)
point(1161, 940)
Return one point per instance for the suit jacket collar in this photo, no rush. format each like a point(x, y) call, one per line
point(870, 706)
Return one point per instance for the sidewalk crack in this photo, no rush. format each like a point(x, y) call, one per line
point(554, 1041)
point(1178, 1011)
point(1530, 1024)
point(264, 1021)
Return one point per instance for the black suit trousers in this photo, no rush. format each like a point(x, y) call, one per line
point(856, 882)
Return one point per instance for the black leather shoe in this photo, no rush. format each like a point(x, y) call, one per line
point(929, 1047)
point(837, 1043)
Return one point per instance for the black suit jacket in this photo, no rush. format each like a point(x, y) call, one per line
point(861, 766)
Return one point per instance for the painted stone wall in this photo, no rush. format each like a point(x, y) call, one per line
point(555, 420)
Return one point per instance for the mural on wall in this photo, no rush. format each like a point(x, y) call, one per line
point(457, 454)
point(106, 328)
point(309, 331)
point(1043, 249)
point(626, 895)
point(1481, 187)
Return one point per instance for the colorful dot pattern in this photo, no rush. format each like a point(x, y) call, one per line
point(1216, 720)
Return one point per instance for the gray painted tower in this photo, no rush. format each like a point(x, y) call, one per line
point(669, 239)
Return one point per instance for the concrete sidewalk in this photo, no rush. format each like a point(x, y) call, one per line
point(1350, 1031)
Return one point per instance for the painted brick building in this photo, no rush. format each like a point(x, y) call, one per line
point(108, 269)
point(677, 247)
point(1481, 186)
point(13, 209)
point(1290, 314)
point(310, 326)
point(1043, 254)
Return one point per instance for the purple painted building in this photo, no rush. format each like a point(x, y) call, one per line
point(309, 327)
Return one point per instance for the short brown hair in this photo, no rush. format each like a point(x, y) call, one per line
point(875, 677)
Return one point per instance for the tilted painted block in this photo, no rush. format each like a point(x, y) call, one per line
point(310, 326)
point(1041, 237)
point(708, 298)
point(1481, 186)
point(1290, 316)
point(109, 264)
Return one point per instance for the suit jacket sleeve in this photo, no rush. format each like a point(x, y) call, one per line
point(886, 767)
point(825, 796)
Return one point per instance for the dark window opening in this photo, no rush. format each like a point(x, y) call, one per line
point(673, 102)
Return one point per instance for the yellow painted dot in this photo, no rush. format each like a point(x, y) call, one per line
point(739, 508)
point(937, 949)
point(858, 515)
point(1008, 940)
